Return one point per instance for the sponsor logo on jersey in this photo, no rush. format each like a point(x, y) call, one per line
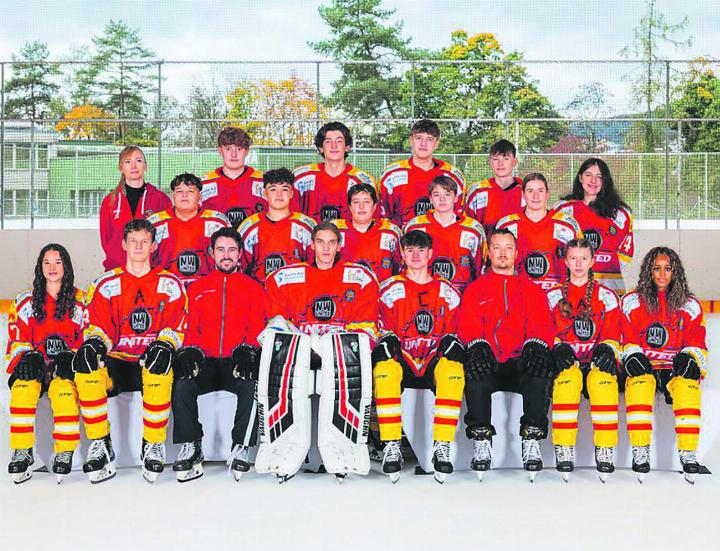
point(329, 212)
point(562, 233)
point(110, 288)
point(161, 232)
point(273, 262)
point(584, 329)
point(208, 191)
point(393, 293)
point(140, 320)
point(387, 242)
point(54, 345)
point(323, 308)
point(257, 191)
point(469, 241)
point(386, 263)
point(188, 263)
point(656, 336)
point(349, 295)
point(170, 287)
point(290, 275)
point(595, 239)
point(236, 215)
point(211, 226)
point(306, 183)
point(603, 258)
point(536, 265)
point(423, 322)
point(356, 275)
point(422, 206)
point(465, 260)
point(480, 201)
point(444, 268)
point(612, 230)
point(399, 178)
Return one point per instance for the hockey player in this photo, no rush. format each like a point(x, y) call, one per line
point(541, 234)
point(366, 240)
point(235, 189)
point(587, 350)
point(278, 237)
point(605, 220)
point(225, 315)
point(404, 184)
point(321, 188)
point(44, 330)
point(664, 347)
point(491, 199)
point(136, 320)
point(459, 242)
point(505, 322)
point(132, 198)
point(183, 232)
point(418, 349)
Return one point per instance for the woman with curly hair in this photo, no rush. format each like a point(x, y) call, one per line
point(605, 220)
point(587, 319)
point(44, 330)
point(663, 334)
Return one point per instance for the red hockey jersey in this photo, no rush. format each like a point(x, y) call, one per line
point(612, 240)
point(541, 245)
point(48, 336)
point(459, 250)
point(378, 248)
point(237, 198)
point(224, 310)
point(324, 197)
point(487, 202)
point(506, 311)
point(404, 189)
point(420, 315)
point(345, 297)
point(600, 326)
point(269, 245)
point(183, 245)
point(128, 312)
point(661, 335)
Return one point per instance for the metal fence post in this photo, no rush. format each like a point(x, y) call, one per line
point(2, 145)
point(158, 115)
point(317, 92)
point(679, 177)
point(506, 99)
point(412, 89)
point(76, 206)
point(667, 140)
point(32, 175)
point(640, 193)
point(193, 129)
point(705, 182)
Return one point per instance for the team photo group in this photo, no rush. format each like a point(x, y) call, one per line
point(317, 296)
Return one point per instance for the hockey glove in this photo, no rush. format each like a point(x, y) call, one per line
point(30, 366)
point(480, 361)
point(536, 359)
point(157, 357)
point(603, 357)
point(564, 357)
point(87, 359)
point(61, 365)
point(637, 364)
point(387, 348)
point(187, 362)
point(451, 348)
point(247, 362)
point(684, 365)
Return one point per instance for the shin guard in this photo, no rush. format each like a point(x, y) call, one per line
point(157, 390)
point(686, 395)
point(449, 387)
point(565, 403)
point(388, 379)
point(24, 397)
point(92, 391)
point(66, 414)
point(639, 400)
point(603, 390)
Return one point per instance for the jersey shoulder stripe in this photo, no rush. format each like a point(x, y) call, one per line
point(209, 213)
point(248, 223)
point(479, 185)
point(256, 174)
point(363, 177)
point(304, 219)
point(630, 302)
point(212, 175)
point(564, 217)
point(387, 225)
point(341, 223)
point(22, 298)
point(391, 281)
point(399, 165)
point(159, 217)
point(505, 220)
point(314, 167)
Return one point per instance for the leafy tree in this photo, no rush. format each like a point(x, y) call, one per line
point(206, 104)
point(77, 123)
point(699, 98)
point(591, 101)
point(30, 91)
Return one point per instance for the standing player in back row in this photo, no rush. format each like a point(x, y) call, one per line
point(404, 184)
point(234, 189)
point(321, 188)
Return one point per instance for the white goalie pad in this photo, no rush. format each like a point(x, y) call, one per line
point(345, 388)
point(284, 412)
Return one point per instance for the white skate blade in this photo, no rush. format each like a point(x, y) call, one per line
point(196, 471)
point(641, 477)
point(440, 477)
point(532, 474)
point(237, 475)
point(106, 473)
point(566, 477)
point(60, 478)
point(394, 477)
point(19, 478)
point(603, 477)
point(340, 477)
point(283, 478)
point(480, 475)
point(150, 476)
point(689, 478)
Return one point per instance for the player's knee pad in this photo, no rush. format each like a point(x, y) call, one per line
point(66, 414)
point(566, 392)
point(388, 376)
point(639, 400)
point(284, 412)
point(157, 389)
point(24, 396)
point(603, 391)
point(92, 391)
point(449, 387)
point(686, 396)
point(345, 387)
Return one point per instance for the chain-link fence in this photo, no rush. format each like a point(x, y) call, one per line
point(60, 145)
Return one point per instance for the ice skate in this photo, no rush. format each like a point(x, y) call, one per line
point(531, 456)
point(62, 465)
point(239, 461)
point(604, 461)
point(189, 463)
point(100, 462)
point(392, 460)
point(441, 460)
point(641, 461)
point(565, 461)
point(340, 477)
point(153, 458)
point(690, 465)
point(19, 466)
point(482, 457)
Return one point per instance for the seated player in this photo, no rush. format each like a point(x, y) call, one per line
point(225, 315)
point(505, 322)
point(235, 189)
point(459, 242)
point(587, 350)
point(541, 234)
point(418, 349)
point(136, 320)
point(664, 347)
point(489, 200)
point(404, 184)
point(44, 329)
point(183, 232)
point(334, 305)
point(321, 188)
point(278, 237)
point(366, 240)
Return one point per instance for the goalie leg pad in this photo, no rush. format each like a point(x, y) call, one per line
point(639, 400)
point(603, 390)
point(565, 402)
point(345, 385)
point(686, 395)
point(284, 411)
point(449, 386)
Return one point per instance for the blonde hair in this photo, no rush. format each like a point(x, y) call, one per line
point(124, 154)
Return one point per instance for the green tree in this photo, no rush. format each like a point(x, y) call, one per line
point(206, 104)
point(699, 98)
point(591, 101)
point(31, 91)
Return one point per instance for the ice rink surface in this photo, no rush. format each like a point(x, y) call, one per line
point(312, 511)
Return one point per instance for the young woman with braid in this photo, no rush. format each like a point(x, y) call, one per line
point(663, 333)
point(587, 348)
